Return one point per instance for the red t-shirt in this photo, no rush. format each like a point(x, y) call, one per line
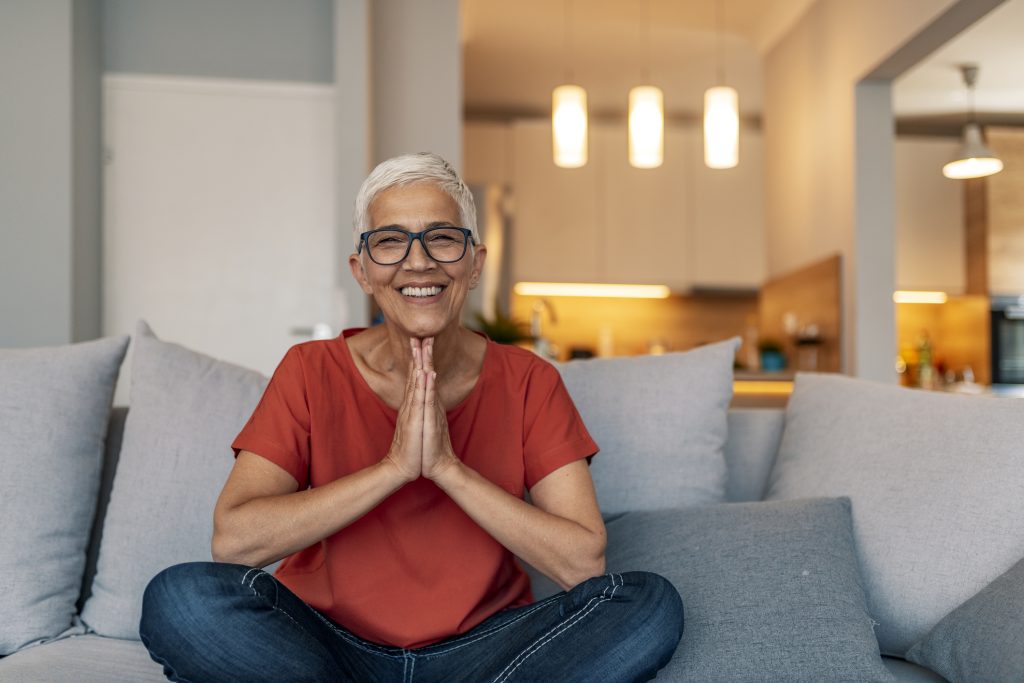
point(415, 569)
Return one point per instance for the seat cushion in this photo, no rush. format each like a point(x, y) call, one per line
point(82, 659)
point(175, 457)
point(935, 480)
point(54, 405)
point(660, 422)
point(771, 591)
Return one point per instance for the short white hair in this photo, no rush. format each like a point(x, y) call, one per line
point(422, 167)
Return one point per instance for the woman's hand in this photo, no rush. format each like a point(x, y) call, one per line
point(438, 454)
point(406, 452)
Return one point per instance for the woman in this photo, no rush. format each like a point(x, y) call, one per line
point(387, 467)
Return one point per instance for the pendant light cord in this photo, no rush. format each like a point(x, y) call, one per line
point(567, 38)
point(720, 72)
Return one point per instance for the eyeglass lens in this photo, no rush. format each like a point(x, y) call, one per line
point(388, 247)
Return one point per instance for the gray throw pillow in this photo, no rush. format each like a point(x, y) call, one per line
point(982, 640)
point(771, 591)
point(185, 409)
point(54, 407)
point(936, 482)
point(660, 422)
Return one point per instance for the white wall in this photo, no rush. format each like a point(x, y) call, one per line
point(417, 78)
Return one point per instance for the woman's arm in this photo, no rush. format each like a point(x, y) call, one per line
point(561, 534)
point(261, 516)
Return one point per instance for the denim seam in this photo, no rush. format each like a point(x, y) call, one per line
point(365, 647)
point(559, 629)
point(496, 629)
point(302, 631)
point(412, 666)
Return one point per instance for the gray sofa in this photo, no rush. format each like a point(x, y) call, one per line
point(754, 436)
point(862, 520)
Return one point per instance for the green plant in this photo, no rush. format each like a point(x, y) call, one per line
point(503, 328)
point(769, 346)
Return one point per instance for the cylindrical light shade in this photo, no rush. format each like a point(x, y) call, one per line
point(721, 127)
point(975, 160)
point(646, 126)
point(569, 125)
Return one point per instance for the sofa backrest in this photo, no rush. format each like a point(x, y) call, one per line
point(753, 440)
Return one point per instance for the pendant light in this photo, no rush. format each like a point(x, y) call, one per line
point(569, 112)
point(646, 114)
point(975, 160)
point(721, 115)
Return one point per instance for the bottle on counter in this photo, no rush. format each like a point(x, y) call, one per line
point(925, 363)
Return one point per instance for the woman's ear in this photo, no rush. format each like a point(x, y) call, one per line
point(356, 266)
point(479, 256)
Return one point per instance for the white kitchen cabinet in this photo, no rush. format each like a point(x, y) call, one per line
point(930, 238)
point(557, 218)
point(680, 225)
point(646, 211)
point(727, 249)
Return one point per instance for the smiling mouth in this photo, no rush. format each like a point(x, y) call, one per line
point(421, 292)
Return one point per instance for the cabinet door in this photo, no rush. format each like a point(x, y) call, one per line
point(556, 213)
point(930, 241)
point(728, 218)
point(646, 211)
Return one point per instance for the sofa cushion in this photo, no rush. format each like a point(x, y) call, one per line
point(83, 659)
point(660, 422)
point(771, 591)
point(936, 482)
point(175, 457)
point(54, 404)
point(982, 639)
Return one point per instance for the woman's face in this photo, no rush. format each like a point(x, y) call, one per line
point(415, 208)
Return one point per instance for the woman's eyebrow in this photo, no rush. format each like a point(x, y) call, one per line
point(432, 224)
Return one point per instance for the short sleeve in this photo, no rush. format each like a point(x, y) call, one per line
point(554, 434)
point(278, 429)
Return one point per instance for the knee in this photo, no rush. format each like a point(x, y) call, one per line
point(186, 592)
point(657, 603)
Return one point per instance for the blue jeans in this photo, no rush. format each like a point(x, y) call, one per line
point(211, 621)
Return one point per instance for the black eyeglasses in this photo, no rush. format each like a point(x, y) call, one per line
point(389, 246)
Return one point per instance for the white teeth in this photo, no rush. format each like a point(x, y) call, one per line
point(421, 291)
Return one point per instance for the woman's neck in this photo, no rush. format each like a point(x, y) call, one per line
point(450, 346)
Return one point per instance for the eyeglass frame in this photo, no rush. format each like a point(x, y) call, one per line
point(413, 236)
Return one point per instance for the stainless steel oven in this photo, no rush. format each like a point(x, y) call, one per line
point(1008, 339)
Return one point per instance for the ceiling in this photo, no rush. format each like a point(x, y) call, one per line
point(517, 51)
point(995, 43)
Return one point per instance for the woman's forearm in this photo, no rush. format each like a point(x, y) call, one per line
point(263, 530)
point(564, 550)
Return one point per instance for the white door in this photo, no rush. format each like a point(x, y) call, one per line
point(219, 215)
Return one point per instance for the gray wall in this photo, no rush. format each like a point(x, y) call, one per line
point(36, 172)
point(283, 40)
point(87, 165)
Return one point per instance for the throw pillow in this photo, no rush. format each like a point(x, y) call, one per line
point(54, 407)
point(981, 640)
point(771, 591)
point(185, 409)
point(660, 422)
point(935, 480)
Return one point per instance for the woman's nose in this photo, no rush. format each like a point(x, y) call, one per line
point(417, 258)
